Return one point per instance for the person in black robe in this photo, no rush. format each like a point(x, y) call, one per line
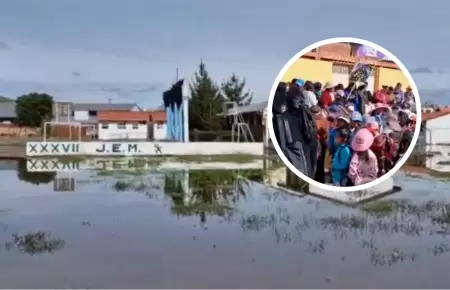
point(297, 134)
point(279, 105)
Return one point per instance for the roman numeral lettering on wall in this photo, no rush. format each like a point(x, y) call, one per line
point(52, 148)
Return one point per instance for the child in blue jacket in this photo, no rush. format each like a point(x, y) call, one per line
point(341, 158)
point(332, 119)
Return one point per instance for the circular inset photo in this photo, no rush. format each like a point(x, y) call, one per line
point(344, 114)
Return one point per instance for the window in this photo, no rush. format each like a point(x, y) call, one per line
point(104, 126)
point(121, 126)
point(135, 126)
point(341, 69)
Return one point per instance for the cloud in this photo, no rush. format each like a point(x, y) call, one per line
point(144, 94)
point(421, 70)
point(4, 45)
point(435, 96)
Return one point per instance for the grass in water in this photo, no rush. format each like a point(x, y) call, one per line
point(219, 158)
point(383, 207)
point(198, 208)
point(138, 186)
point(70, 159)
point(120, 172)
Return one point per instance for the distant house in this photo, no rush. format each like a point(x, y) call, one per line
point(131, 125)
point(62, 111)
point(7, 112)
point(8, 122)
point(5, 99)
point(253, 115)
point(108, 121)
point(436, 127)
point(86, 113)
point(75, 120)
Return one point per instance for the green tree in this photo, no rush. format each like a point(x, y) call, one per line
point(205, 103)
point(34, 108)
point(233, 90)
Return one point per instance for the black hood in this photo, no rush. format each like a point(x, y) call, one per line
point(279, 99)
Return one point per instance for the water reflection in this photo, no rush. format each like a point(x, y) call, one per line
point(371, 227)
point(118, 224)
point(37, 243)
point(221, 193)
point(34, 243)
point(33, 177)
point(199, 193)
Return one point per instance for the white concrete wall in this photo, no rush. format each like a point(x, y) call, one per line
point(159, 131)
point(437, 134)
point(438, 130)
point(340, 74)
point(142, 148)
point(81, 115)
point(114, 131)
point(356, 196)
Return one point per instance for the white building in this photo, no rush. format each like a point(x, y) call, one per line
point(131, 125)
point(85, 114)
point(123, 130)
point(436, 132)
point(436, 127)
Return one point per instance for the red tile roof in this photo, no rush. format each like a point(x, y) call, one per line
point(433, 115)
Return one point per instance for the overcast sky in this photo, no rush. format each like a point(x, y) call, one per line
point(90, 50)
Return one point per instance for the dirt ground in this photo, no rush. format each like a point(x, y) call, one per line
point(11, 141)
point(422, 171)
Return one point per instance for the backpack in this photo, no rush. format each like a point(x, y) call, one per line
point(308, 123)
point(404, 142)
point(384, 147)
point(345, 180)
point(338, 151)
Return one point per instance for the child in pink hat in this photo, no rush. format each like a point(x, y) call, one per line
point(379, 112)
point(364, 164)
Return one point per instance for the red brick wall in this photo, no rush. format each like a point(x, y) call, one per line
point(63, 131)
point(123, 116)
point(10, 130)
point(128, 116)
point(336, 49)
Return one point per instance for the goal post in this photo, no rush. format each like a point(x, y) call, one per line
point(71, 134)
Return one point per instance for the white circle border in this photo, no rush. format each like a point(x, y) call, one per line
point(399, 164)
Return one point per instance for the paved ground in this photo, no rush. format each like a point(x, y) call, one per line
point(18, 141)
point(12, 151)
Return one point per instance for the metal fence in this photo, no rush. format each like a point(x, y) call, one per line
point(433, 149)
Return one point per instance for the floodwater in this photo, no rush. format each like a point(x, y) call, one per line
point(210, 229)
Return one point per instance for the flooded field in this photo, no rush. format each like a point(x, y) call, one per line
point(213, 229)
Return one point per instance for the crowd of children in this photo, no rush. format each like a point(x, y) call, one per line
point(358, 136)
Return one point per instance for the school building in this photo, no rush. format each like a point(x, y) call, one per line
point(333, 63)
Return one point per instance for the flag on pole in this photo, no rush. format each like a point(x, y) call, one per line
point(361, 73)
